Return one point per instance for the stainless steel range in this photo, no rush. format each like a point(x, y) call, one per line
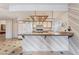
point(39, 28)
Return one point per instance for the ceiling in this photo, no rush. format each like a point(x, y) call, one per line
point(7, 10)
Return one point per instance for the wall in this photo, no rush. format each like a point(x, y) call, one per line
point(74, 23)
point(15, 28)
point(9, 29)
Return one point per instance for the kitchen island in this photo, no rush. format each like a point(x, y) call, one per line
point(46, 41)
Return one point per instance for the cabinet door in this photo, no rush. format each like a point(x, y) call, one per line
point(20, 28)
point(27, 27)
point(34, 43)
point(58, 43)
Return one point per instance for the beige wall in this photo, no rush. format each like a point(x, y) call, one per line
point(15, 29)
point(11, 29)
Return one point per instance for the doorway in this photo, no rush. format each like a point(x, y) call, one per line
point(2, 29)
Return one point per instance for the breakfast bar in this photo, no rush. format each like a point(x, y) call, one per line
point(46, 41)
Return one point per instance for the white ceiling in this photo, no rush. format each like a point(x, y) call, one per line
point(8, 11)
point(38, 7)
point(4, 7)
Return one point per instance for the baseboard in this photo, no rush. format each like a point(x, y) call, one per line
point(12, 38)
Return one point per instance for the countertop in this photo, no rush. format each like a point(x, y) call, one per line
point(48, 34)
